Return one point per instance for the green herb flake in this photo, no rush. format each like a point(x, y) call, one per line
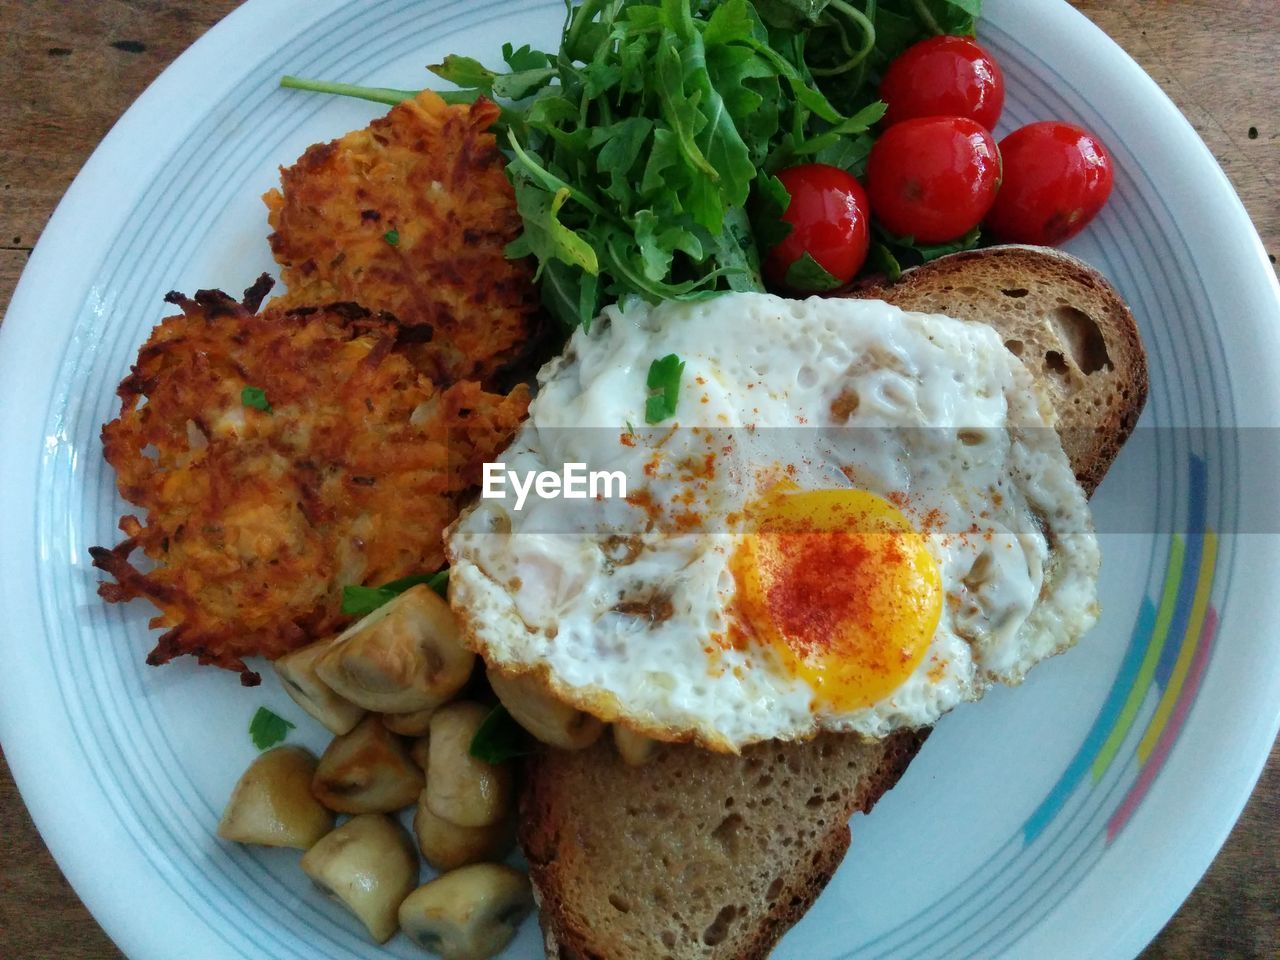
point(664, 386)
point(499, 738)
point(255, 397)
point(266, 729)
point(392, 237)
point(357, 601)
point(807, 275)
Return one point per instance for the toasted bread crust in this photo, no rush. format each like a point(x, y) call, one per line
point(575, 827)
point(1064, 320)
point(571, 819)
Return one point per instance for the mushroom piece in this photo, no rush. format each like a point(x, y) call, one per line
point(461, 788)
point(368, 770)
point(297, 673)
point(369, 866)
point(272, 803)
point(467, 914)
point(414, 724)
point(548, 719)
point(404, 657)
point(635, 749)
point(447, 846)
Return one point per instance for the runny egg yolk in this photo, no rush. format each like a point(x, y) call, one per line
point(842, 586)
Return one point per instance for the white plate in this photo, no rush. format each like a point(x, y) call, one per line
point(1067, 818)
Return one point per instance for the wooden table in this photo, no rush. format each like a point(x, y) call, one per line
point(70, 69)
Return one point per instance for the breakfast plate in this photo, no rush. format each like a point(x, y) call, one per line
point(1068, 817)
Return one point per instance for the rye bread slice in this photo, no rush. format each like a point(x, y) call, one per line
point(695, 854)
point(703, 856)
point(1064, 320)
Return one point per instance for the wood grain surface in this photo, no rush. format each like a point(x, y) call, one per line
point(68, 71)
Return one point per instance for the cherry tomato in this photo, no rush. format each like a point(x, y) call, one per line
point(943, 77)
point(933, 178)
point(1056, 179)
point(829, 221)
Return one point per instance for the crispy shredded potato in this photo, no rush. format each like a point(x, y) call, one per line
point(255, 519)
point(410, 216)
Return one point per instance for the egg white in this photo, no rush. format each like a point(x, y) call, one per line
point(617, 603)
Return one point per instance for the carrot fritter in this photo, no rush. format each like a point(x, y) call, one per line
point(410, 216)
point(260, 506)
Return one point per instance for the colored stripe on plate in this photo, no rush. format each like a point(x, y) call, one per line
point(1170, 732)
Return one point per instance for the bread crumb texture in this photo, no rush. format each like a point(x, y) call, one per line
point(702, 855)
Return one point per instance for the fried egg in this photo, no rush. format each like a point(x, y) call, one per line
point(855, 519)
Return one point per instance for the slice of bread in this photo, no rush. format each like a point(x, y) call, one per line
point(702, 856)
point(1067, 324)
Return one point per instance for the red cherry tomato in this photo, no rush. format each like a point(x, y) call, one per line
point(943, 77)
point(933, 178)
point(1056, 179)
point(829, 221)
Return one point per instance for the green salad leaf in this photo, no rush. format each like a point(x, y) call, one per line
point(499, 738)
point(905, 252)
point(357, 601)
point(809, 276)
point(266, 729)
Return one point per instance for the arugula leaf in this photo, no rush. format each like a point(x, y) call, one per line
point(385, 95)
point(525, 83)
point(923, 253)
point(772, 200)
point(849, 153)
point(499, 738)
point(664, 377)
point(357, 600)
point(860, 122)
point(891, 255)
point(569, 293)
point(884, 261)
point(524, 58)
point(736, 250)
point(807, 275)
point(465, 72)
point(933, 251)
point(620, 145)
point(255, 397)
point(791, 14)
point(544, 235)
point(266, 729)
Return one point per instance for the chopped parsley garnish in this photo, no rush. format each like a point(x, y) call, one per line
point(664, 388)
point(267, 729)
point(392, 237)
point(255, 397)
point(358, 601)
point(499, 738)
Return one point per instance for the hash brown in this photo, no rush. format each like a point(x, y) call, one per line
point(411, 216)
point(256, 518)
